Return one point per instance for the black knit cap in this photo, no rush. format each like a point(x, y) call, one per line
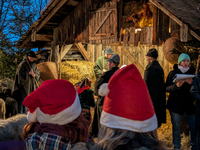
point(152, 53)
point(31, 54)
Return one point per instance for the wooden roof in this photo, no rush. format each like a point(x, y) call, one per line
point(184, 12)
point(51, 17)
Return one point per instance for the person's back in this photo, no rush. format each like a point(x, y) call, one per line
point(86, 96)
point(154, 78)
point(55, 118)
point(128, 118)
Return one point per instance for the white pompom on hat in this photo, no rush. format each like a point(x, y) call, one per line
point(55, 102)
point(128, 104)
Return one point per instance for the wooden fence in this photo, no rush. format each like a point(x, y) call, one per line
point(130, 55)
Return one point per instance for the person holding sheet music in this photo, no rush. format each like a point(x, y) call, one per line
point(180, 103)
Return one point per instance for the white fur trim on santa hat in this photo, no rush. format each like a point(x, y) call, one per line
point(31, 116)
point(103, 90)
point(64, 117)
point(117, 122)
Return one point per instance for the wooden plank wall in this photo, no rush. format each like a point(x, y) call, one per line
point(137, 52)
point(103, 27)
point(143, 37)
point(75, 27)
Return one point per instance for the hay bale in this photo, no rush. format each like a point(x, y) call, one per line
point(170, 45)
point(48, 70)
point(75, 71)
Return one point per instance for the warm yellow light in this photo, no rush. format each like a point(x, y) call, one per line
point(136, 30)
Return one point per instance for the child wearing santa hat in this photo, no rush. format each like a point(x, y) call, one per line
point(128, 116)
point(55, 118)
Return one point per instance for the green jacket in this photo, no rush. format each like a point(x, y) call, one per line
point(98, 67)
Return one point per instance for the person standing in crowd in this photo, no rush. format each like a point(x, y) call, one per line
point(112, 64)
point(195, 92)
point(128, 117)
point(26, 77)
point(55, 118)
point(101, 64)
point(154, 78)
point(180, 101)
point(86, 96)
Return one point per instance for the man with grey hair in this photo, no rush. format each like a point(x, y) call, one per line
point(101, 64)
point(112, 65)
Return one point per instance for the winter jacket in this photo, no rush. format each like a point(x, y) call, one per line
point(51, 136)
point(87, 99)
point(195, 93)
point(98, 67)
point(154, 78)
point(180, 100)
point(24, 79)
point(100, 100)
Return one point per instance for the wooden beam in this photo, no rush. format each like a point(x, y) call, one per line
point(44, 37)
point(194, 34)
point(184, 33)
point(106, 17)
point(45, 20)
point(173, 17)
point(33, 36)
point(166, 12)
point(65, 50)
point(132, 35)
point(72, 3)
point(82, 50)
point(133, 60)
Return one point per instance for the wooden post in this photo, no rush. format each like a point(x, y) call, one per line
point(155, 18)
point(126, 36)
point(184, 33)
point(132, 35)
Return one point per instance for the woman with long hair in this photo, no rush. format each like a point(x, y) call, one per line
point(55, 118)
point(128, 118)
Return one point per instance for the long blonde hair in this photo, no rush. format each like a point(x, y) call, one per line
point(117, 139)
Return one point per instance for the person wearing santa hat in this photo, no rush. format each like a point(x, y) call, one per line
point(112, 65)
point(55, 118)
point(128, 116)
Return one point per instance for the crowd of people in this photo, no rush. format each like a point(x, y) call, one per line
point(128, 111)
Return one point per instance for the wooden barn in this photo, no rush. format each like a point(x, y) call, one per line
point(129, 27)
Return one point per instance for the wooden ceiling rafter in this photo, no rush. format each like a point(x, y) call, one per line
point(177, 20)
point(42, 23)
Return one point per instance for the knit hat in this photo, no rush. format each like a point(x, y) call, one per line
point(182, 57)
point(55, 102)
point(114, 59)
point(127, 104)
point(109, 51)
point(152, 53)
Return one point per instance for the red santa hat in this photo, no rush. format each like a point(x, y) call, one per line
point(55, 101)
point(128, 104)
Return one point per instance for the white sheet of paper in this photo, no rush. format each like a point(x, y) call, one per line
point(183, 77)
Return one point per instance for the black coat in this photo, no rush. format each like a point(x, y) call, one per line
point(180, 100)
point(195, 93)
point(154, 78)
point(99, 104)
point(23, 79)
point(87, 99)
